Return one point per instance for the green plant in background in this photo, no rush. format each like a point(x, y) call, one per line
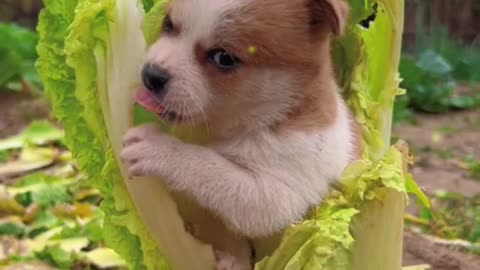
point(453, 217)
point(462, 214)
point(464, 59)
point(428, 80)
point(91, 52)
point(432, 84)
point(18, 56)
point(440, 75)
point(473, 167)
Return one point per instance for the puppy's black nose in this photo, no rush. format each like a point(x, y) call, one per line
point(155, 78)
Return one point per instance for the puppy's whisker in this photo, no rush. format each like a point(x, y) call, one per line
point(176, 110)
point(168, 108)
point(183, 112)
point(189, 118)
point(192, 120)
point(196, 102)
point(177, 113)
point(186, 119)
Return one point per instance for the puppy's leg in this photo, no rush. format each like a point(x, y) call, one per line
point(214, 182)
point(232, 252)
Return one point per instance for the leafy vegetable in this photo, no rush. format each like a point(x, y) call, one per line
point(104, 258)
point(17, 51)
point(84, 54)
point(57, 256)
point(339, 234)
point(90, 57)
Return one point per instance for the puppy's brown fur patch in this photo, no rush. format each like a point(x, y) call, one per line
point(301, 49)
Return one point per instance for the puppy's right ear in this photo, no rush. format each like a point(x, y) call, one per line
point(331, 13)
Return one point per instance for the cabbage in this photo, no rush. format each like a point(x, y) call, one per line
point(90, 53)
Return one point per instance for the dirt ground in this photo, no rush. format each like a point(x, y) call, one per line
point(434, 137)
point(17, 110)
point(439, 142)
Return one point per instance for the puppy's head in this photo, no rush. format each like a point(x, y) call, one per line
point(226, 61)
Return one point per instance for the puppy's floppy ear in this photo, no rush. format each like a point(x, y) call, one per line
point(333, 13)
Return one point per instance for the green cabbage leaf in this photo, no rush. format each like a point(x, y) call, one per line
point(90, 52)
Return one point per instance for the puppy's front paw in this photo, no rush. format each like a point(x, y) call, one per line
point(146, 149)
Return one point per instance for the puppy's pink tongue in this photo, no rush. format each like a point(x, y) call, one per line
point(147, 101)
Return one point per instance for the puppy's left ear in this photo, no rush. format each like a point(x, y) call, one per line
point(333, 13)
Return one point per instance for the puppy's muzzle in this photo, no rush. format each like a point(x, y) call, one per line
point(155, 78)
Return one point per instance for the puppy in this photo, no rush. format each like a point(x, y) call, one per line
point(258, 75)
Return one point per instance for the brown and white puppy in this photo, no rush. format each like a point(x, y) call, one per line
point(258, 73)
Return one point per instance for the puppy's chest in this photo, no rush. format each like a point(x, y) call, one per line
point(265, 152)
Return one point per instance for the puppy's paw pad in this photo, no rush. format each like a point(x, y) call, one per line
point(225, 261)
point(131, 154)
point(139, 133)
point(224, 265)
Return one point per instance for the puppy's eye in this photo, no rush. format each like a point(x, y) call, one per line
point(167, 24)
point(223, 59)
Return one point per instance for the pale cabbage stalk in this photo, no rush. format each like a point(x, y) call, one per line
point(91, 52)
point(122, 64)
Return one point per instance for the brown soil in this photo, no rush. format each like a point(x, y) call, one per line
point(18, 109)
point(440, 143)
point(420, 250)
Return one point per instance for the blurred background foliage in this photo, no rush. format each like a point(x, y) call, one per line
point(17, 44)
point(440, 66)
